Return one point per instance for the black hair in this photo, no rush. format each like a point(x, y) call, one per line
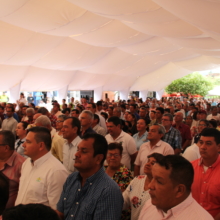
point(214, 123)
point(75, 110)
point(160, 109)
point(75, 123)
point(181, 170)
point(100, 144)
point(30, 211)
point(211, 132)
point(115, 120)
point(105, 115)
point(42, 110)
point(156, 156)
point(99, 103)
point(12, 108)
point(93, 105)
point(42, 134)
point(66, 110)
point(8, 138)
point(24, 124)
point(114, 146)
point(32, 104)
point(97, 118)
point(4, 192)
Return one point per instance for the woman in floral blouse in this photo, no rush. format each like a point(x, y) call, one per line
point(137, 193)
point(117, 171)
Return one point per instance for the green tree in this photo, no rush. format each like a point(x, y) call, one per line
point(194, 84)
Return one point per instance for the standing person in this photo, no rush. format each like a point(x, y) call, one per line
point(90, 193)
point(9, 123)
point(206, 184)
point(21, 132)
point(184, 130)
point(22, 99)
point(71, 131)
point(154, 145)
point(141, 136)
point(170, 191)
point(137, 193)
point(172, 136)
point(116, 134)
point(10, 164)
point(30, 98)
point(42, 175)
point(132, 119)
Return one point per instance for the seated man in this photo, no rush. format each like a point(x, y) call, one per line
point(170, 192)
point(42, 175)
point(89, 193)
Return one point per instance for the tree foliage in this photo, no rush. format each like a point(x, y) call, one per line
point(194, 84)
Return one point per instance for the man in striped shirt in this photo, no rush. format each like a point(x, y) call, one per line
point(170, 191)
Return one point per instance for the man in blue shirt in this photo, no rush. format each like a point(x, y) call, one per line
point(90, 193)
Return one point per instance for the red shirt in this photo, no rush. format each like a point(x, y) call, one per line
point(53, 120)
point(185, 132)
point(206, 186)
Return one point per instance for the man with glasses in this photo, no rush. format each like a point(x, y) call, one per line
point(172, 136)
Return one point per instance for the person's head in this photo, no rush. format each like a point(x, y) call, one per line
point(21, 131)
point(202, 114)
point(110, 111)
point(71, 128)
point(99, 105)
point(114, 155)
point(117, 112)
point(59, 122)
point(91, 107)
point(86, 118)
point(142, 112)
point(7, 141)
point(30, 113)
point(75, 113)
point(56, 107)
point(141, 125)
point(23, 110)
point(214, 110)
point(131, 118)
point(2, 109)
point(202, 124)
point(171, 109)
point(21, 95)
point(156, 132)
point(213, 123)
point(114, 126)
point(167, 120)
point(66, 111)
point(38, 142)
point(179, 106)
point(189, 120)
point(152, 159)
point(171, 183)
point(10, 111)
point(132, 108)
point(209, 144)
point(178, 117)
point(96, 120)
point(42, 110)
point(152, 114)
point(104, 115)
point(91, 153)
point(63, 101)
point(43, 121)
point(30, 211)
point(4, 192)
point(64, 106)
point(159, 113)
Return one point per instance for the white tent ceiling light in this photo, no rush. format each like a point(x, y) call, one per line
point(116, 45)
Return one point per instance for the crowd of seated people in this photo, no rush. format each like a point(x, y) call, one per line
point(131, 159)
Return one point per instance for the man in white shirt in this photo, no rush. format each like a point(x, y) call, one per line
point(9, 123)
point(117, 135)
point(154, 145)
point(96, 127)
point(214, 114)
point(170, 191)
point(42, 175)
point(71, 131)
point(92, 107)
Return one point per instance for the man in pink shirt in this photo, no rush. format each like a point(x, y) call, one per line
point(206, 184)
point(10, 164)
point(170, 192)
point(154, 145)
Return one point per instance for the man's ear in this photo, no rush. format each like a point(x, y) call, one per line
point(180, 190)
point(99, 158)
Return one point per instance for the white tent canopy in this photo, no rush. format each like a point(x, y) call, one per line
point(215, 91)
point(105, 44)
